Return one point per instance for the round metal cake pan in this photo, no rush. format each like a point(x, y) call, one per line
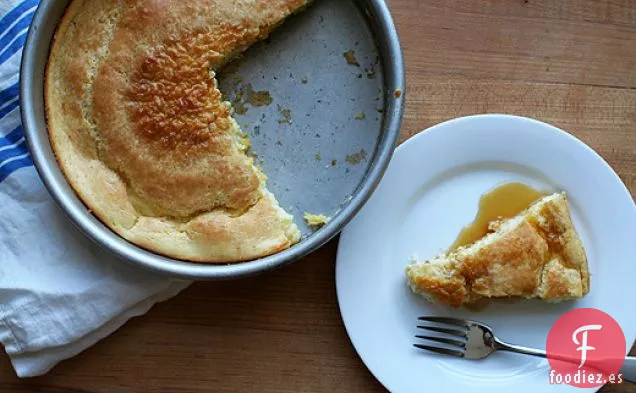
point(329, 84)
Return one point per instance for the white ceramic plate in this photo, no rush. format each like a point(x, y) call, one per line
point(429, 192)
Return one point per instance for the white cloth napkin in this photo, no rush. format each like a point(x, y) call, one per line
point(59, 292)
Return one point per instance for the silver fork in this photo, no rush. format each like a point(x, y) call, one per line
point(474, 340)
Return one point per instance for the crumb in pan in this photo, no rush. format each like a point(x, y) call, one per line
point(316, 220)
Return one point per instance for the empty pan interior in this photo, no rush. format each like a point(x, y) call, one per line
point(311, 100)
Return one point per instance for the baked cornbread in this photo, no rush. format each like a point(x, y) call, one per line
point(144, 136)
point(536, 254)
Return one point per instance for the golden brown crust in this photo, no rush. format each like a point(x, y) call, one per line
point(142, 133)
point(508, 266)
point(535, 254)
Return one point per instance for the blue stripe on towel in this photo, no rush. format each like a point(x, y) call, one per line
point(14, 153)
point(8, 167)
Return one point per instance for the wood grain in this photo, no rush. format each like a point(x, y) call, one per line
point(570, 62)
point(446, 38)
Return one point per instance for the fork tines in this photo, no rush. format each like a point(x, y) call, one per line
point(455, 345)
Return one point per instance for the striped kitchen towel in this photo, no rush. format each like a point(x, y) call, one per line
point(59, 293)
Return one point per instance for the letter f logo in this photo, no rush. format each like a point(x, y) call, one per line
point(583, 344)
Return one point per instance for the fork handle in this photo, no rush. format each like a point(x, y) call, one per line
point(628, 369)
point(502, 346)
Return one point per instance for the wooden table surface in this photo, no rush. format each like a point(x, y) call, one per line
point(571, 63)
